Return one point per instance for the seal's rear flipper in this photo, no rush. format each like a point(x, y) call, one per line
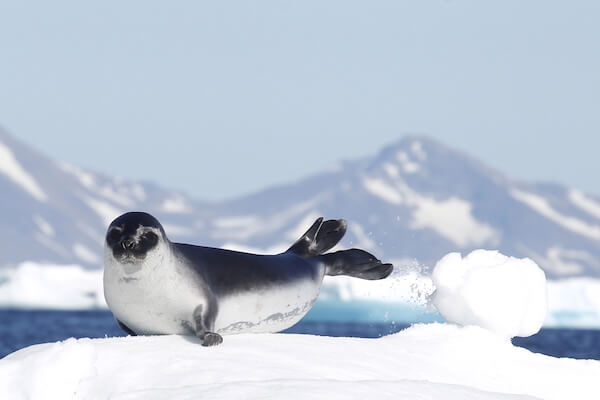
point(320, 237)
point(357, 263)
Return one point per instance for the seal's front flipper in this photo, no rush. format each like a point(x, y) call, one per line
point(212, 339)
point(126, 328)
point(204, 318)
point(357, 263)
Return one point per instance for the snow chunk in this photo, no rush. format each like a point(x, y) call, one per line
point(503, 294)
point(10, 167)
point(48, 286)
point(435, 361)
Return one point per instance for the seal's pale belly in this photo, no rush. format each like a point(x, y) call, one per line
point(151, 303)
point(271, 310)
point(163, 303)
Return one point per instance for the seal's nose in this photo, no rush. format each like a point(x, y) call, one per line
point(128, 243)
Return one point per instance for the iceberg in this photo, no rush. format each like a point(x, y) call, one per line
point(32, 285)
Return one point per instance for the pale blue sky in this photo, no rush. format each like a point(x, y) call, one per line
point(222, 98)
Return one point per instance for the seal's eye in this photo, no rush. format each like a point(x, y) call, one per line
point(113, 235)
point(150, 238)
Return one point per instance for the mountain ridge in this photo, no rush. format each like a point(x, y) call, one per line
point(413, 201)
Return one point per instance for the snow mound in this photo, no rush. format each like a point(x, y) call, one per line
point(425, 361)
point(503, 294)
point(48, 286)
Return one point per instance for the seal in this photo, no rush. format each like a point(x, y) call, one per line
point(154, 286)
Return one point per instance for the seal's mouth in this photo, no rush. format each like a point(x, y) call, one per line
point(128, 256)
point(130, 262)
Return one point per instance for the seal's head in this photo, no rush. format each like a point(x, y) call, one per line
point(132, 236)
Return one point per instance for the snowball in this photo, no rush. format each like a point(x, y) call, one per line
point(503, 294)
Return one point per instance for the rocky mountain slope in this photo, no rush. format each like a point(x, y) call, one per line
point(415, 200)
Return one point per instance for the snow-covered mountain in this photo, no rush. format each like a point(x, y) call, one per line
point(415, 200)
point(54, 212)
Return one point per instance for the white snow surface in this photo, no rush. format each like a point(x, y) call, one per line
point(433, 361)
point(503, 294)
